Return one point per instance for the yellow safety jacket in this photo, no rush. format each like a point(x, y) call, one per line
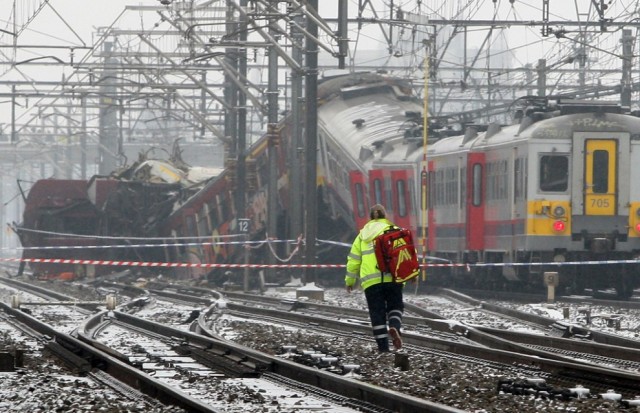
point(361, 261)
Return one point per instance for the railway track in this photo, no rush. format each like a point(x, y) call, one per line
point(574, 340)
point(559, 366)
point(175, 353)
point(323, 332)
point(571, 358)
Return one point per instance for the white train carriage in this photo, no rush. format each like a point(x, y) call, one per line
point(447, 201)
point(557, 188)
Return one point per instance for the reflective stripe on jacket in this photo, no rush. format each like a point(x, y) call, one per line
point(361, 261)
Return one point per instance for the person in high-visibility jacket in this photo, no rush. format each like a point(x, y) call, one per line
point(384, 296)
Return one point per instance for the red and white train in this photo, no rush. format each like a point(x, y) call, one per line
point(546, 194)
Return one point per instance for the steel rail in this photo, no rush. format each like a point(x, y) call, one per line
point(568, 329)
point(247, 357)
point(85, 358)
point(488, 347)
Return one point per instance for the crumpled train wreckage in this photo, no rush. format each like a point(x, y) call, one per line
point(105, 217)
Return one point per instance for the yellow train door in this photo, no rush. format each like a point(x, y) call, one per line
point(601, 185)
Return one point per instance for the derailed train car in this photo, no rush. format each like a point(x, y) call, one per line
point(342, 102)
point(104, 219)
point(58, 215)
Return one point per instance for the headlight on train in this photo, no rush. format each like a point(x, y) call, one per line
point(638, 227)
point(558, 211)
point(559, 226)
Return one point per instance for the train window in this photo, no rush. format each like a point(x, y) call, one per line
point(322, 152)
point(554, 173)
point(191, 224)
point(477, 185)
point(263, 171)
point(491, 184)
point(430, 190)
point(360, 200)
point(389, 195)
point(600, 176)
point(226, 207)
point(402, 197)
point(51, 223)
point(496, 181)
point(525, 167)
point(503, 180)
point(517, 180)
point(439, 187)
point(445, 186)
point(79, 225)
point(223, 207)
point(377, 191)
point(205, 214)
point(434, 188)
point(213, 215)
point(463, 187)
point(412, 195)
point(179, 243)
point(203, 224)
point(451, 187)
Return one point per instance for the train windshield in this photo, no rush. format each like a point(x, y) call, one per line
point(554, 173)
point(600, 177)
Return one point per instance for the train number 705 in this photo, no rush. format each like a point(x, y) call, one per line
point(599, 203)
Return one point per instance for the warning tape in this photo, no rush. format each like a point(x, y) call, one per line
point(173, 244)
point(165, 264)
point(227, 265)
point(250, 245)
point(127, 238)
point(126, 242)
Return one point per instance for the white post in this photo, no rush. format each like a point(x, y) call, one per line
point(551, 280)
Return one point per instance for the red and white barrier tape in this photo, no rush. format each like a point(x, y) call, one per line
point(223, 265)
point(164, 264)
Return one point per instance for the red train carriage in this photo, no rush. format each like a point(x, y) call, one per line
point(58, 214)
point(104, 219)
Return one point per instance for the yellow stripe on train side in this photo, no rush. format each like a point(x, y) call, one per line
point(634, 220)
point(548, 218)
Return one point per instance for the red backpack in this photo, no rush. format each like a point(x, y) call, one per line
point(396, 254)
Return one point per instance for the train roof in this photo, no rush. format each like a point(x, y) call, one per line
point(335, 86)
point(560, 117)
point(371, 116)
point(448, 145)
point(558, 124)
point(563, 126)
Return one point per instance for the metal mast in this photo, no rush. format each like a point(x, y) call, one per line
point(311, 189)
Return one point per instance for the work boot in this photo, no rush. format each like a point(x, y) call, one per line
point(395, 338)
point(383, 345)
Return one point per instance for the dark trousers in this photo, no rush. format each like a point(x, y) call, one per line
point(385, 305)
